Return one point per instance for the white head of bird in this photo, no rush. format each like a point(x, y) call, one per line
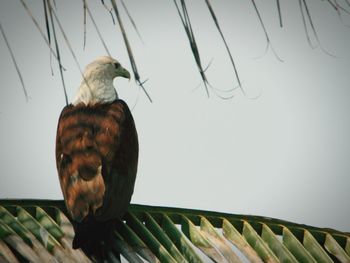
point(97, 84)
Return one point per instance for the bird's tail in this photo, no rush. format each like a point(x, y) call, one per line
point(93, 237)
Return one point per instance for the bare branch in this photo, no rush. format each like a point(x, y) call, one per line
point(128, 48)
point(188, 29)
point(14, 62)
point(338, 7)
point(132, 20)
point(279, 12)
point(57, 51)
point(84, 7)
point(40, 30)
point(268, 42)
point(48, 32)
point(109, 11)
point(224, 40)
point(305, 25)
point(97, 30)
point(314, 29)
point(69, 45)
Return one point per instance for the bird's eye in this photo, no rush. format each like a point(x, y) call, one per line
point(117, 65)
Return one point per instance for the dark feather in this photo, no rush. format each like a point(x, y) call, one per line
point(96, 157)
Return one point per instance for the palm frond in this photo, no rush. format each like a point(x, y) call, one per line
point(32, 229)
point(340, 7)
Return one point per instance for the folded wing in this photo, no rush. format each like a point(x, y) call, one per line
point(96, 158)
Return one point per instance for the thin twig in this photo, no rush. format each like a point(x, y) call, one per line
point(128, 48)
point(225, 43)
point(69, 46)
point(279, 12)
point(338, 7)
point(195, 52)
point(268, 41)
point(84, 7)
point(48, 32)
point(131, 20)
point(305, 25)
point(314, 29)
point(97, 30)
point(188, 29)
point(57, 51)
point(310, 20)
point(109, 11)
point(40, 30)
point(14, 62)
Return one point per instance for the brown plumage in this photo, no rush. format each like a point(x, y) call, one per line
point(96, 157)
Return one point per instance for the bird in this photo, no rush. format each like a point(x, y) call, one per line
point(97, 155)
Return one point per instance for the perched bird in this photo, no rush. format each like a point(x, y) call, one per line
point(97, 154)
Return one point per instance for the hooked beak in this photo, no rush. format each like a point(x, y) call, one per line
point(122, 72)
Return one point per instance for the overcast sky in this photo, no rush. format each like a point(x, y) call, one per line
point(284, 155)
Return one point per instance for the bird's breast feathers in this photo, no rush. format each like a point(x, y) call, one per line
point(89, 141)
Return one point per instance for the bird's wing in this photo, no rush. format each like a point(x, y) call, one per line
point(122, 174)
point(96, 157)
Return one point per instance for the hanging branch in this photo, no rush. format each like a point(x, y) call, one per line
point(224, 40)
point(40, 30)
point(332, 4)
point(188, 28)
point(301, 4)
point(109, 10)
point(310, 20)
point(338, 7)
point(266, 34)
point(97, 30)
point(57, 51)
point(68, 43)
point(48, 32)
point(14, 62)
point(305, 25)
point(279, 12)
point(47, 23)
point(84, 7)
point(128, 48)
point(131, 20)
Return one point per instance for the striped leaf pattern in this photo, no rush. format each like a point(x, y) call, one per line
point(40, 231)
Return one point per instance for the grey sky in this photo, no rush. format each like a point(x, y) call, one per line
point(284, 155)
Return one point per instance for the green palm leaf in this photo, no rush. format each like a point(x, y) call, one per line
point(33, 230)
